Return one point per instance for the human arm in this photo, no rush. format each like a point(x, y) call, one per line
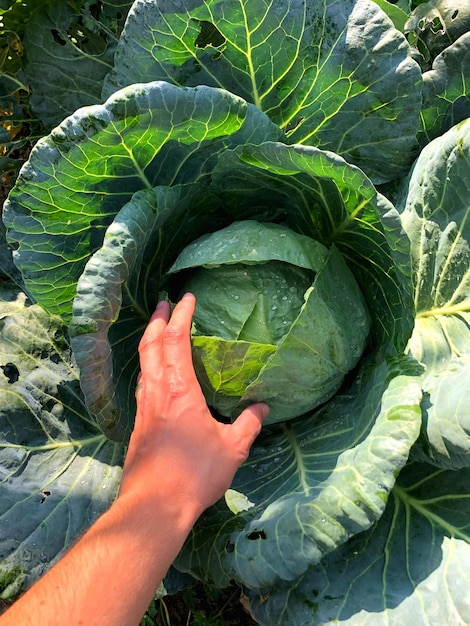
point(180, 460)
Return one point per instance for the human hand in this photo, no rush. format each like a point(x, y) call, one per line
point(177, 449)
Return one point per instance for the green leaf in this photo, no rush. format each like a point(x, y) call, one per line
point(314, 482)
point(435, 208)
point(79, 176)
point(251, 242)
point(446, 89)
point(398, 16)
point(225, 368)
point(411, 567)
point(8, 272)
point(335, 74)
point(68, 52)
point(16, 13)
point(437, 24)
point(58, 472)
point(5, 5)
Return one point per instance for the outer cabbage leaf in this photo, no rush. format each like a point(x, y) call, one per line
point(58, 472)
point(79, 176)
point(398, 12)
point(410, 567)
point(335, 74)
point(68, 52)
point(437, 24)
point(9, 274)
point(435, 205)
point(446, 89)
point(260, 242)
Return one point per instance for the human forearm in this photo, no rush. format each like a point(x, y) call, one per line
point(109, 577)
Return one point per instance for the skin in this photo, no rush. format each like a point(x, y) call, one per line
point(180, 460)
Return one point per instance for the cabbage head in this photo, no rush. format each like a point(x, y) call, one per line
point(279, 318)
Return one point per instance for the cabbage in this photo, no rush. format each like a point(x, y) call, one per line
point(279, 318)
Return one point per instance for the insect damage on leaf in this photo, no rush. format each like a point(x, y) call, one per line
point(210, 35)
point(11, 372)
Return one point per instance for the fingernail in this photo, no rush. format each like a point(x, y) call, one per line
point(158, 308)
point(265, 411)
point(188, 295)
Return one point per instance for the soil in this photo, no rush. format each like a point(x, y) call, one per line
point(200, 606)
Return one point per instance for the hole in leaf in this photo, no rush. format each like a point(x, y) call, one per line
point(85, 39)
point(210, 35)
point(454, 14)
point(436, 26)
point(44, 496)
point(11, 372)
point(294, 125)
point(54, 357)
point(96, 9)
point(58, 37)
point(256, 534)
point(229, 546)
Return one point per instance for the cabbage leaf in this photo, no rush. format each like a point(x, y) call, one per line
point(58, 471)
point(335, 74)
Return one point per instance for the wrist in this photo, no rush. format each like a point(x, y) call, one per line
point(151, 510)
point(169, 483)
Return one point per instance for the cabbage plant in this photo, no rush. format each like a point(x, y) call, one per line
point(307, 123)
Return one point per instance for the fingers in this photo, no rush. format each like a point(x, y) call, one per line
point(248, 424)
point(150, 346)
point(177, 347)
point(179, 327)
point(166, 341)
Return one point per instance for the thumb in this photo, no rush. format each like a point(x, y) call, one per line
point(248, 424)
